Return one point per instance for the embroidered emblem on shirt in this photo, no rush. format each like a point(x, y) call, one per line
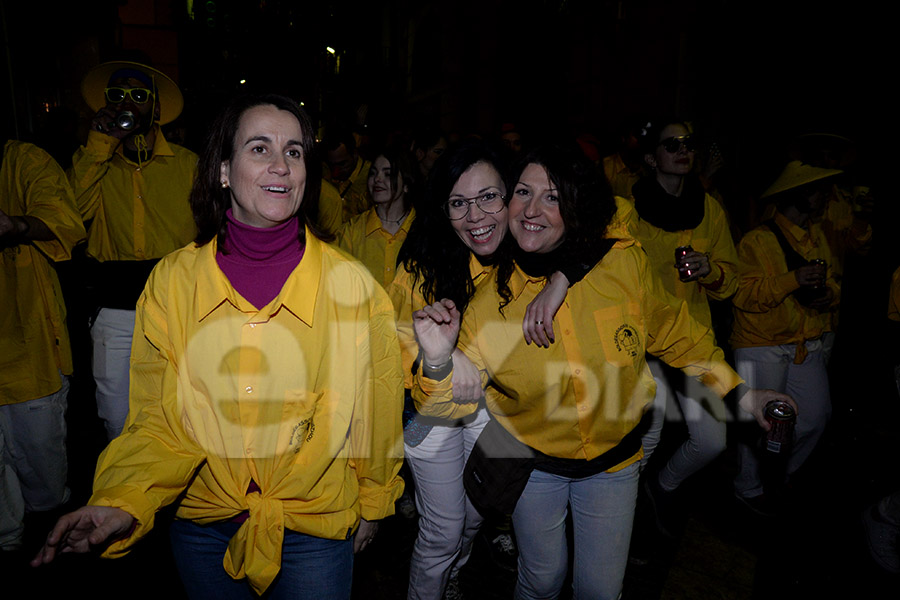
point(627, 340)
point(302, 432)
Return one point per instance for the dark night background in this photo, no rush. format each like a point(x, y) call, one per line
point(750, 75)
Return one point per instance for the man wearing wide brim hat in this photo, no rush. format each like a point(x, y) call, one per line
point(131, 186)
point(783, 310)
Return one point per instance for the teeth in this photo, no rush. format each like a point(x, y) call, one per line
point(532, 227)
point(481, 231)
point(274, 188)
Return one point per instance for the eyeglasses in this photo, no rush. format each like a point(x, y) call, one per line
point(674, 144)
point(115, 95)
point(458, 208)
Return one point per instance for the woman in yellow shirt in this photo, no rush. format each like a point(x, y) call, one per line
point(671, 211)
point(266, 386)
point(452, 248)
point(577, 403)
point(375, 236)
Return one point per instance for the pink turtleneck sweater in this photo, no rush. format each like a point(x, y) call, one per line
point(258, 261)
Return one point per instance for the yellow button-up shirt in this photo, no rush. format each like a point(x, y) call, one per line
point(711, 236)
point(354, 192)
point(364, 238)
point(582, 395)
point(303, 397)
point(765, 312)
point(407, 298)
point(34, 340)
point(620, 177)
point(138, 211)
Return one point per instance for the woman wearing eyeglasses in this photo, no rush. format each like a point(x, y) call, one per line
point(673, 212)
point(452, 246)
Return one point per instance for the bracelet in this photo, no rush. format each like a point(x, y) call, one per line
point(437, 372)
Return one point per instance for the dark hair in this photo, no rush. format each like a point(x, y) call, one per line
point(585, 197)
point(402, 164)
point(648, 135)
point(427, 138)
point(335, 135)
point(209, 201)
point(433, 253)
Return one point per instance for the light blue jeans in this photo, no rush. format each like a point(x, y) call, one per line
point(111, 335)
point(311, 568)
point(602, 514)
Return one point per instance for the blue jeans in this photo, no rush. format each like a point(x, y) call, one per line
point(602, 514)
point(311, 568)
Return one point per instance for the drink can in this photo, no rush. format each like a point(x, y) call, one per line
point(781, 416)
point(680, 252)
point(820, 261)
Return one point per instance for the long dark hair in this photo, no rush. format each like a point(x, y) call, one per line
point(402, 167)
point(586, 200)
point(433, 253)
point(209, 200)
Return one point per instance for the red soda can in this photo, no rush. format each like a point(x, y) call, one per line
point(781, 416)
point(680, 252)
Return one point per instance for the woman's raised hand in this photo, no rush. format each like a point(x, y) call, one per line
point(437, 329)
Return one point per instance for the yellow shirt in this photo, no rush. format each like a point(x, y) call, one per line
point(620, 177)
point(34, 340)
point(765, 312)
point(304, 397)
point(580, 397)
point(139, 211)
point(354, 192)
point(331, 208)
point(711, 236)
point(364, 238)
point(407, 299)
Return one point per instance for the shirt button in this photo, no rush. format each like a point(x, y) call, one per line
point(578, 371)
point(252, 325)
point(140, 197)
point(249, 389)
point(138, 169)
point(249, 451)
point(568, 331)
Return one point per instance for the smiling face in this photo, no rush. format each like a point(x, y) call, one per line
point(679, 162)
point(534, 216)
point(266, 173)
point(379, 182)
point(482, 232)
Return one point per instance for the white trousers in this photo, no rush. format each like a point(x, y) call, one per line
point(772, 367)
point(33, 464)
point(111, 335)
point(448, 522)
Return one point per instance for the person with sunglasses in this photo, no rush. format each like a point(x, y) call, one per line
point(131, 187)
point(673, 212)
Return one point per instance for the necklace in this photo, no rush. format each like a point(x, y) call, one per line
point(397, 222)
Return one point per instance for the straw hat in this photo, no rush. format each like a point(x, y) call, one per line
point(796, 174)
point(94, 83)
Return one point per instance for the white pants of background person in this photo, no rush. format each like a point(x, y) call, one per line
point(772, 367)
point(33, 464)
point(448, 522)
point(706, 431)
point(111, 333)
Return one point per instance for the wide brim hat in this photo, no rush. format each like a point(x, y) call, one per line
point(797, 173)
point(94, 84)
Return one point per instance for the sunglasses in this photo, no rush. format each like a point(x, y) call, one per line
point(674, 144)
point(114, 95)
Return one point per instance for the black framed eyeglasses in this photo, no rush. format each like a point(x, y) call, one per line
point(114, 95)
point(674, 144)
point(458, 208)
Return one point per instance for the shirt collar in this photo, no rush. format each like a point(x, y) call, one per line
point(161, 147)
point(795, 231)
point(373, 222)
point(298, 296)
